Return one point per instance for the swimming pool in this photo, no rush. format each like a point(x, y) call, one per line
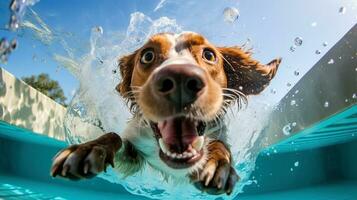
point(319, 174)
point(310, 138)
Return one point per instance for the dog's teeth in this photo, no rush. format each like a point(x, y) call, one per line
point(193, 151)
point(189, 155)
point(179, 156)
point(173, 155)
point(163, 146)
point(198, 143)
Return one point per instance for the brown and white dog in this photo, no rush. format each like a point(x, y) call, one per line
point(179, 87)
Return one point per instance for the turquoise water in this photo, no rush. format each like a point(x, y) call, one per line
point(314, 173)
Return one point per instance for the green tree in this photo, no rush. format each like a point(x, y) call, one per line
point(47, 86)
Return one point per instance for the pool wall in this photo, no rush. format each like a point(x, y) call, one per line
point(25, 107)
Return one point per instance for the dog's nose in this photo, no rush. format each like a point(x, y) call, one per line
point(180, 83)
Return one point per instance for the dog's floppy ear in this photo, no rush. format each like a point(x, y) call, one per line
point(244, 73)
point(126, 67)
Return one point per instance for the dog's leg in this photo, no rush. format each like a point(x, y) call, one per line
point(90, 158)
point(217, 175)
point(128, 160)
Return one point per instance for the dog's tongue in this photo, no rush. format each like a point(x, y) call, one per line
point(178, 133)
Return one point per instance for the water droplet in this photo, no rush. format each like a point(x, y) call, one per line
point(353, 134)
point(275, 151)
point(331, 61)
point(292, 48)
point(98, 29)
point(273, 91)
point(298, 41)
point(317, 52)
point(325, 44)
point(240, 88)
point(292, 102)
point(291, 169)
point(314, 24)
point(326, 104)
point(296, 164)
point(231, 14)
point(287, 129)
point(288, 84)
point(296, 91)
point(354, 96)
point(114, 71)
point(342, 10)
point(296, 73)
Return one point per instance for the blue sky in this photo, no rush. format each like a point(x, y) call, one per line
point(270, 25)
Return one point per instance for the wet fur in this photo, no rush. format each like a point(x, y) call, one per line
point(236, 73)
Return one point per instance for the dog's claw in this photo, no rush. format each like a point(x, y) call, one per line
point(86, 160)
point(217, 178)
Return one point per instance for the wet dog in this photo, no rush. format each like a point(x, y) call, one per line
point(179, 87)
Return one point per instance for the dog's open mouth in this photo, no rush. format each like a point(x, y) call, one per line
point(181, 141)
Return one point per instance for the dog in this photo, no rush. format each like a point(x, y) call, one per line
point(178, 87)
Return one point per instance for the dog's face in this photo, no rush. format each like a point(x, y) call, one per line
point(181, 82)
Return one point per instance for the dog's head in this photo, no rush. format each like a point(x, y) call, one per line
point(180, 82)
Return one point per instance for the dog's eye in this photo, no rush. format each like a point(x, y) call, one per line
point(147, 57)
point(209, 55)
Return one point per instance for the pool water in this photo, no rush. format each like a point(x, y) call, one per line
point(320, 173)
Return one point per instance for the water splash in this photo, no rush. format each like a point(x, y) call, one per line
point(6, 49)
point(18, 10)
point(160, 5)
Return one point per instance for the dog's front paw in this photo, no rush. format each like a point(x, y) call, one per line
point(217, 178)
point(88, 159)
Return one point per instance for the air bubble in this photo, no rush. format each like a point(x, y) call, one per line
point(292, 102)
point(331, 61)
point(296, 73)
point(325, 44)
point(293, 124)
point(292, 48)
point(298, 41)
point(231, 14)
point(317, 52)
point(354, 96)
point(314, 24)
point(273, 91)
point(287, 129)
point(296, 164)
point(288, 84)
